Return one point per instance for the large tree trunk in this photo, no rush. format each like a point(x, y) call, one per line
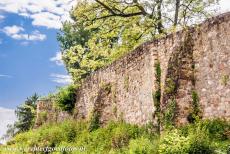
point(160, 27)
point(176, 12)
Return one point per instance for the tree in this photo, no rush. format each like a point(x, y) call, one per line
point(104, 30)
point(26, 113)
point(11, 131)
point(25, 117)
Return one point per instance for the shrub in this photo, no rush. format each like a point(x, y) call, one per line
point(120, 138)
point(169, 113)
point(125, 138)
point(94, 123)
point(173, 142)
point(143, 146)
point(66, 98)
point(196, 112)
point(217, 128)
point(199, 142)
point(196, 141)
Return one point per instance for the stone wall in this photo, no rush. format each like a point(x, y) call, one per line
point(192, 61)
point(47, 112)
point(129, 83)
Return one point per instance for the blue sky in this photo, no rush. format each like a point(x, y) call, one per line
point(30, 59)
point(29, 52)
point(25, 66)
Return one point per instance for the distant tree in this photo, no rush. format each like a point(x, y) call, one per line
point(25, 117)
point(11, 131)
point(26, 114)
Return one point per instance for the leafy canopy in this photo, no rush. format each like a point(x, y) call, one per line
point(104, 30)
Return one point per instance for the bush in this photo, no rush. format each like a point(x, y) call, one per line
point(66, 98)
point(199, 142)
point(173, 142)
point(143, 146)
point(94, 123)
point(125, 138)
point(217, 128)
point(196, 141)
point(113, 138)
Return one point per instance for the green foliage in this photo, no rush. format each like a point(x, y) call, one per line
point(196, 141)
point(107, 87)
point(43, 115)
point(169, 113)
point(26, 114)
point(225, 79)
point(173, 142)
point(196, 112)
point(25, 117)
point(103, 31)
point(113, 137)
point(66, 98)
point(157, 94)
point(115, 110)
point(143, 145)
point(217, 128)
point(126, 83)
point(158, 72)
point(200, 143)
point(120, 137)
point(170, 86)
point(94, 123)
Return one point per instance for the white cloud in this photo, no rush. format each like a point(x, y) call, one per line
point(48, 13)
point(5, 76)
point(7, 116)
point(2, 17)
point(61, 78)
point(11, 30)
point(46, 19)
point(57, 59)
point(16, 32)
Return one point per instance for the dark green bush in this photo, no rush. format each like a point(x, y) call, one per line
point(200, 142)
point(169, 113)
point(66, 98)
point(217, 128)
point(94, 123)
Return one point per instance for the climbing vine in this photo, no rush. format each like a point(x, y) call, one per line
point(105, 89)
point(157, 94)
point(169, 113)
point(126, 83)
point(195, 112)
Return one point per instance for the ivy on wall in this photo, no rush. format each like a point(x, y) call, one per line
point(157, 94)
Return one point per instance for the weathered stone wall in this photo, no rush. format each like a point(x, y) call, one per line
point(46, 112)
point(129, 83)
point(212, 65)
point(196, 60)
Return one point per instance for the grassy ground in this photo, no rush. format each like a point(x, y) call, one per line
point(203, 137)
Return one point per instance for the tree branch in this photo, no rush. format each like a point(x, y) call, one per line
point(121, 13)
